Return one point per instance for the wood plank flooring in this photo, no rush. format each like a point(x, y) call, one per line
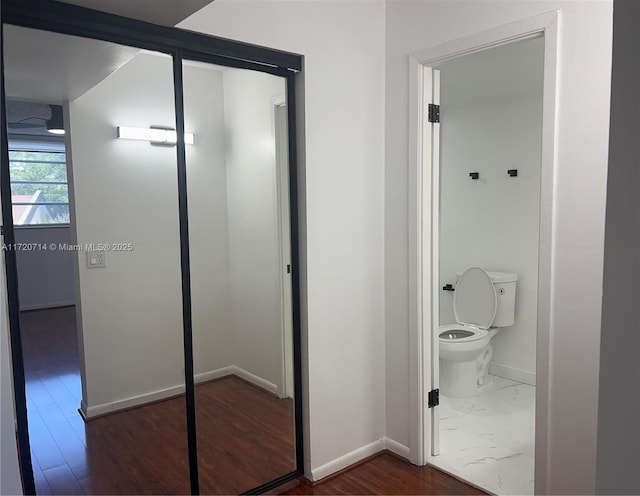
point(245, 435)
point(247, 439)
point(383, 474)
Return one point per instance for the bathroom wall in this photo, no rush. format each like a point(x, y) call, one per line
point(493, 222)
point(126, 191)
point(253, 223)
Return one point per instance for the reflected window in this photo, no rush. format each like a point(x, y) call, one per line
point(39, 190)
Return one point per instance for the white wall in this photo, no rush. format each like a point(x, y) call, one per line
point(45, 276)
point(343, 134)
point(493, 221)
point(208, 220)
point(584, 70)
point(618, 467)
point(126, 191)
point(253, 222)
point(140, 290)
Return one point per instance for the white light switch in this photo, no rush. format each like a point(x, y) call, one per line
point(96, 259)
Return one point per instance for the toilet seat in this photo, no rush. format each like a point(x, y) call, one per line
point(475, 301)
point(476, 333)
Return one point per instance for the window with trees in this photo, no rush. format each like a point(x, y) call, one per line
point(39, 190)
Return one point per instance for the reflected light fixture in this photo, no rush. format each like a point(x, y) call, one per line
point(161, 136)
point(55, 125)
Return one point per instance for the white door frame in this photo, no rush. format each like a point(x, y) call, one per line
point(280, 136)
point(423, 240)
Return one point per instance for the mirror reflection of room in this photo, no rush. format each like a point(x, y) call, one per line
point(101, 319)
point(237, 178)
point(100, 287)
point(490, 132)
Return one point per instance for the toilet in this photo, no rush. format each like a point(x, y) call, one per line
point(483, 303)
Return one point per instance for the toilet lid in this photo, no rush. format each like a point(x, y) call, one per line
point(475, 301)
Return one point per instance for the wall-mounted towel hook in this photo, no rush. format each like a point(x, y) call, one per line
point(474, 175)
point(513, 172)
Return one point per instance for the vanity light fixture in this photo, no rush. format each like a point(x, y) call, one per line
point(162, 136)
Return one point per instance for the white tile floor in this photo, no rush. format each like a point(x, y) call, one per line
point(488, 439)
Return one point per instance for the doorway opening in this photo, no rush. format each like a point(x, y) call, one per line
point(40, 197)
point(482, 226)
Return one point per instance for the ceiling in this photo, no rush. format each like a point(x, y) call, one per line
point(164, 12)
point(46, 67)
point(50, 68)
point(501, 72)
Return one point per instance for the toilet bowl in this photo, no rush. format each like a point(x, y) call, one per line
point(483, 303)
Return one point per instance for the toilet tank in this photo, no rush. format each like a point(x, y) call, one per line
point(505, 284)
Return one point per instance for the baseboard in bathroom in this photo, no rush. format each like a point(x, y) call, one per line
point(512, 373)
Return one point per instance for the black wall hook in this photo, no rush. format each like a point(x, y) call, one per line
point(474, 175)
point(513, 172)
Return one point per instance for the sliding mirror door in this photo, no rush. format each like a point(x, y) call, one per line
point(238, 204)
point(96, 218)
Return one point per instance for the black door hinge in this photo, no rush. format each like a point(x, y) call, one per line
point(433, 114)
point(433, 398)
point(288, 269)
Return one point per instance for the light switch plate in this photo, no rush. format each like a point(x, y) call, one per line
point(96, 259)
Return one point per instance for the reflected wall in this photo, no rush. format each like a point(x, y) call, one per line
point(128, 245)
point(240, 309)
point(123, 198)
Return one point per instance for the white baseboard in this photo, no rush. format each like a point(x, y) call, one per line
point(104, 408)
point(512, 373)
point(214, 374)
point(397, 448)
point(45, 306)
point(346, 460)
point(254, 379)
point(142, 399)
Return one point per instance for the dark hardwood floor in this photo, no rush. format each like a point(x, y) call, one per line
point(383, 474)
point(139, 451)
point(245, 435)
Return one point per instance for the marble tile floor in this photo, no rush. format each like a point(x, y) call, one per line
point(488, 440)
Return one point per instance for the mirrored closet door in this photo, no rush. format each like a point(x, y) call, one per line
point(156, 309)
point(99, 215)
point(237, 177)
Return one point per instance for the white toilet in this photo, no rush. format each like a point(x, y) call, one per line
point(483, 302)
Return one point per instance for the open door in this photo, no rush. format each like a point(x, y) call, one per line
point(430, 265)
